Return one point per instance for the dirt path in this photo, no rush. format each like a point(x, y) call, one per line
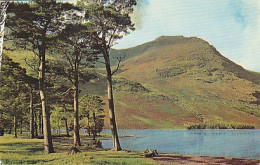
point(168, 159)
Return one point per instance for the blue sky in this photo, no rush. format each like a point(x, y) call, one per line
point(232, 26)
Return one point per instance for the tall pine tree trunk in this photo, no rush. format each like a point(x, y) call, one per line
point(40, 123)
point(76, 106)
point(59, 127)
point(10, 129)
point(35, 125)
point(3, 8)
point(88, 117)
point(48, 146)
point(15, 127)
point(111, 106)
point(94, 126)
point(31, 115)
point(66, 126)
point(21, 125)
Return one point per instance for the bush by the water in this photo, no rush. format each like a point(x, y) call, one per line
point(95, 144)
point(150, 153)
point(221, 126)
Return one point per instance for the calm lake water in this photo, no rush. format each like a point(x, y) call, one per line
point(226, 143)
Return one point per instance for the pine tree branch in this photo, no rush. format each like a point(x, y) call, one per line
point(120, 58)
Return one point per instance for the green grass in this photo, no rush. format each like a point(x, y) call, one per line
point(30, 151)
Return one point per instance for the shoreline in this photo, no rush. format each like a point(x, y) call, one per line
point(168, 159)
point(30, 151)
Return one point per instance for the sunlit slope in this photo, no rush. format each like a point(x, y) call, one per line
point(211, 88)
point(24, 57)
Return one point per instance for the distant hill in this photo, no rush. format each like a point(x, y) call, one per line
point(196, 84)
point(166, 41)
point(175, 82)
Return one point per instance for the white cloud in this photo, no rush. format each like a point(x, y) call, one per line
point(251, 55)
point(233, 27)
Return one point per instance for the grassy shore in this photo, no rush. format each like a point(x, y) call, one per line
point(30, 151)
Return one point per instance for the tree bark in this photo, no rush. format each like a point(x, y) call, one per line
point(15, 127)
point(59, 127)
point(21, 125)
point(76, 118)
point(4, 5)
point(88, 125)
point(40, 123)
point(66, 126)
point(31, 114)
point(111, 106)
point(35, 124)
point(94, 126)
point(48, 145)
point(76, 105)
point(10, 129)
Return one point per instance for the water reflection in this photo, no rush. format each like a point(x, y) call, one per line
point(228, 143)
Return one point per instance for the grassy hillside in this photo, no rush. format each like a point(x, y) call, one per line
point(175, 82)
point(210, 87)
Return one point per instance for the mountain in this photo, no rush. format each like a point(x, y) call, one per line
point(197, 50)
point(176, 82)
point(187, 82)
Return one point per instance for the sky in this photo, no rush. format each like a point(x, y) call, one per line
point(232, 26)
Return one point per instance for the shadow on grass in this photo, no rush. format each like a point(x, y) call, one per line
point(22, 148)
point(19, 144)
point(14, 161)
point(36, 149)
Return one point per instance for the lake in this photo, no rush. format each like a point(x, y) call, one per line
point(218, 143)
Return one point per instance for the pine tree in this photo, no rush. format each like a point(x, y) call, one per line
point(111, 21)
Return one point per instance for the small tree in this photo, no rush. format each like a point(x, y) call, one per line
point(91, 109)
point(66, 115)
point(65, 102)
point(56, 119)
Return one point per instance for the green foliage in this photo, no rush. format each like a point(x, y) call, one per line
point(221, 125)
point(256, 94)
point(56, 118)
point(35, 25)
point(75, 56)
point(92, 113)
point(170, 72)
point(14, 92)
point(109, 21)
point(59, 115)
point(130, 86)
